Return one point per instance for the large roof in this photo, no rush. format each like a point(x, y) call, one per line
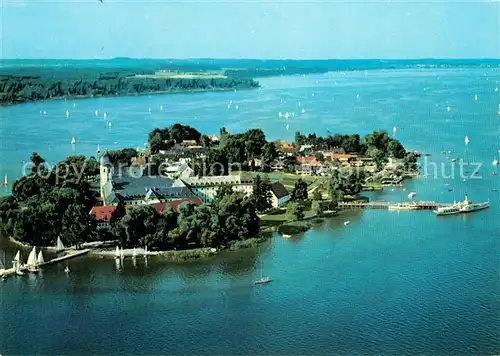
point(217, 180)
point(130, 186)
point(279, 190)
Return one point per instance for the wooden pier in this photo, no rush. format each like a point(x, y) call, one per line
point(70, 255)
point(416, 205)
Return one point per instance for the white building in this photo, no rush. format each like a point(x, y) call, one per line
point(280, 196)
point(179, 170)
point(206, 188)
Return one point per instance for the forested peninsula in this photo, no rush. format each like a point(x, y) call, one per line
point(34, 84)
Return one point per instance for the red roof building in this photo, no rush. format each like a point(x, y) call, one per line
point(103, 213)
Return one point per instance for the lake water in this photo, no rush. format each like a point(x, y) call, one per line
point(390, 282)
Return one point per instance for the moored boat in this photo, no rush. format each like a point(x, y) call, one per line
point(461, 207)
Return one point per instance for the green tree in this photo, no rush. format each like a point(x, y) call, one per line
point(118, 214)
point(139, 222)
point(299, 191)
point(317, 194)
point(379, 158)
point(295, 211)
point(396, 149)
point(336, 187)
point(77, 225)
point(261, 194)
point(319, 157)
point(316, 207)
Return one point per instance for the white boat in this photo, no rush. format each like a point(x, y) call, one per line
point(394, 131)
point(495, 163)
point(412, 195)
point(117, 252)
point(6, 180)
point(403, 206)
point(59, 244)
point(287, 127)
point(97, 113)
point(161, 107)
point(40, 259)
point(134, 253)
point(303, 111)
point(98, 149)
point(149, 110)
point(17, 257)
point(280, 114)
point(461, 207)
point(121, 253)
point(105, 115)
point(357, 96)
point(67, 113)
point(44, 112)
point(145, 250)
point(66, 269)
point(229, 106)
point(448, 108)
point(262, 279)
point(466, 140)
point(32, 261)
point(236, 107)
point(109, 124)
point(287, 115)
point(347, 222)
point(475, 97)
point(73, 141)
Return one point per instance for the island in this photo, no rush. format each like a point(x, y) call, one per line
point(197, 194)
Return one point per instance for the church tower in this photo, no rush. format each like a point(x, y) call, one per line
point(105, 172)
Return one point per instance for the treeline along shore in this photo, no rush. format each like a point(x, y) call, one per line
point(193, 190)
point(32, 80)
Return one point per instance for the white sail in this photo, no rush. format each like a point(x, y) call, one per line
point(67, 113)
point(394, 130)
point(134, 253)
point(40, 259)
point(6, 180)
point(466, 140)
point(73, 141)
point(303, 111)
point(109, 124)
point(97, 113)
point(161, 107)
point(17, 258)
point(59, 244)
point(32, 257)
point(117, 252)
point(145, 250)
point(121, 252)
point(105, 115)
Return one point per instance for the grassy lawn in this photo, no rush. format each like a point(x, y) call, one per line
point(289, 179)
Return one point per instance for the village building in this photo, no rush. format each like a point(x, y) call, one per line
point(308, 165)
point(178, 169)
point(132, 187)
point(206, 188)
point(279, 195)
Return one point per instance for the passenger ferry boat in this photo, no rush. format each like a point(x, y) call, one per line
point(462, 207)
point(404, 206)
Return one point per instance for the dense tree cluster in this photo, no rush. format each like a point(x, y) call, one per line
point(47, 203)
point(22, 88)
point(261, 194)
point(342, 183)
point(164, 139)
point(232, 217)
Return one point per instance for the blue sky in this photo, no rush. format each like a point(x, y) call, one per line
point(250, 29)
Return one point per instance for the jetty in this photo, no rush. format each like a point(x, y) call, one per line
point(417, 205)
point(69, 255)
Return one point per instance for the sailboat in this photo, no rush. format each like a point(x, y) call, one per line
point(17, 264)
point(32, 263)
point(117, 252)
point(262, 279)
point(40, 259)
point(67, 113)
point(121, 253)
point(134, 253)
point(475, 97)
point(495, 162)
point(97, 113)
point(303, 111)
point(161, 107)
point(145, 250)
point(394, 130)
point(73, 141)
point(109, 124)
point(6, 180)
point(59, 244)
point(98, 149)
point(105, 115)
point(448, 108)
point(466, 140)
